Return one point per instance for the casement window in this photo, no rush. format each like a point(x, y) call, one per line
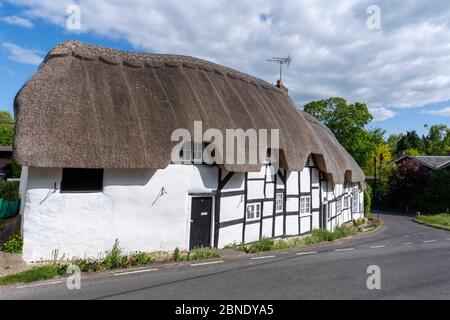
point(338, 205)
point(82, 180)
point(305, 205)
point(310, 162)
point(279, 202)
point(355, 201)
point(346, 202)
point(253, 211)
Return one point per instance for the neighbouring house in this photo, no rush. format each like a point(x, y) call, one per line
point(93, 132)
point(426, 162)
point(6, 153)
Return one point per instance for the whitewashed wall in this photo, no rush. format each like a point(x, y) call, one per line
point(128, 209)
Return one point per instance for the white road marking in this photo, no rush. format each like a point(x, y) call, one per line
point(448, 239)
point(407, 243)
point(305, 253)
point(39, 284)
point(133, 272)
point(376, 247)
point(205, 263)
point(428, 241)
point(264, 257)
point(344, 249)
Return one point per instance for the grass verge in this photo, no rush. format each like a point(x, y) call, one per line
point(317, 236)
point(35, 274)
point(438, 220)
point(113, 259)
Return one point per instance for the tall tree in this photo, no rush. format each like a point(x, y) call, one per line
point(348, 122)
point(408, 141)
point(437, 142)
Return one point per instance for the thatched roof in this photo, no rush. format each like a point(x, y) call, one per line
point(95, 107)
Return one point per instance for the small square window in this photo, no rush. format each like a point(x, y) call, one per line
point(81, 180)
point(279, 202)
point(253, 211)
point(305, 205)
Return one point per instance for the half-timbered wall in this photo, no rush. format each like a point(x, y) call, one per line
point(307, 201)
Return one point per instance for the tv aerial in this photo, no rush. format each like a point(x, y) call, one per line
point(287, 61)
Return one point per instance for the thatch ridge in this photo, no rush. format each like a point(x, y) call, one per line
point(91, 106)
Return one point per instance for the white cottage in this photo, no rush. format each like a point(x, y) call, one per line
point(93, 132)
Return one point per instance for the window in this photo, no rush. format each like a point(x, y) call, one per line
point(338, 205)
point(310, 161)
point(82, 180)
point(355, 201)
point(279, 202)
point(346, 202)
point(305, 205)
point(253, 211)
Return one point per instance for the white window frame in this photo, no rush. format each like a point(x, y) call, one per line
point(305, 205)
point(355, 201)
point(339, 206)
point(256, 211)
point(279, 206)
point(346, 202)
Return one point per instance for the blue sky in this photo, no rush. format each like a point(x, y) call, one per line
point(402, 70)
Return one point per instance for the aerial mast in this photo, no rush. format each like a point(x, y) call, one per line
point(287, 61)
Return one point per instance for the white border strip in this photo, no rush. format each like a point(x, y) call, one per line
point(344, 249)
point(133, 272)
point(264, 257)
point(305, 253)
point(206, 263)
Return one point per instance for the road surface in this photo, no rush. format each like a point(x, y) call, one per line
point(414, 262)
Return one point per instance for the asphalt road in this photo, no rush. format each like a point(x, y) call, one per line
point(414, 263)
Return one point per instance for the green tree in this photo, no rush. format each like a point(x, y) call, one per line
point(437, 142)
point(6, 128)
point(410, 140)
point(347, 122)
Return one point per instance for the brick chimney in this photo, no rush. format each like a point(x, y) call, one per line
point(281, 86)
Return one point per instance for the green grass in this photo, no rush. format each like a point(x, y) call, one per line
point(31, 275)
point(438, 220)
point(317, 236)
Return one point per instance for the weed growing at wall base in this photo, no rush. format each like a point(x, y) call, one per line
point(14, 244)
point(317, 236)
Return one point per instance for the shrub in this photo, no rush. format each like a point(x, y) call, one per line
point(114, 257)
point(176, 254)
point(321, 235)
point(367, 200)
point(9, 190)
point(14, 244)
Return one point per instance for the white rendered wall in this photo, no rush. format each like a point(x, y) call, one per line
point(129, 209)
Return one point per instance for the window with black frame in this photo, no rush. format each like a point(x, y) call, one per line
point(82, 180)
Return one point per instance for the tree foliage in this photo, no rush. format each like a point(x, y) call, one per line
point(348, 122)
point(6, 128)
point(435, 143)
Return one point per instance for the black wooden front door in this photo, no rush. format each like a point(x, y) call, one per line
point(201, 212)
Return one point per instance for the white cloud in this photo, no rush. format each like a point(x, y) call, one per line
point(22, 55)
point(17, 21)
point(380, 113)
point(405, 64)
point(442, 112)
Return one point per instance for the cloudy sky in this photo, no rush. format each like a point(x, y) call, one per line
point(400, 66)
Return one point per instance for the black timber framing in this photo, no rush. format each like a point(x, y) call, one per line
point(245, 205)
point(220, 184)
point(274, 209)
